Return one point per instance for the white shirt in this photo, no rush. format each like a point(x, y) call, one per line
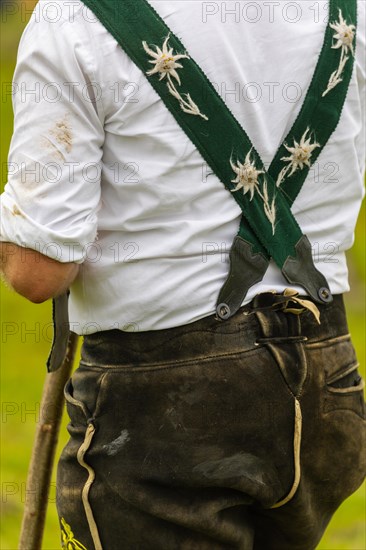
point(101, 174)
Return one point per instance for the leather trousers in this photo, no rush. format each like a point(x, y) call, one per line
point(244, 434)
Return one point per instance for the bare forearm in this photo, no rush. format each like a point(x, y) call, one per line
point(33, 275)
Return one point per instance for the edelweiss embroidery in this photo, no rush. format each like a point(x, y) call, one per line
point(68, 540)
point(246, 176)
point(247, 179)
point(344, 35)
point(300, 156)
point(165, 65)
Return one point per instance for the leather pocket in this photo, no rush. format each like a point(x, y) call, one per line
point(348, 380)
point(343, 383)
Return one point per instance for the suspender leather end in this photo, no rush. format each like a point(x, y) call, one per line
point(246, 269)
point(301, 271)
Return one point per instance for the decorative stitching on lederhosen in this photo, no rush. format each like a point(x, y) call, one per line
point(89, 434)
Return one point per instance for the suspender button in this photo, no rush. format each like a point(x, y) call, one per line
point(324, 294)
point(223, 311)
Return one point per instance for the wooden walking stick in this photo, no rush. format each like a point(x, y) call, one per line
point(43, 453)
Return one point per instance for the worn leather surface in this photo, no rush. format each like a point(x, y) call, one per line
point(194, 432)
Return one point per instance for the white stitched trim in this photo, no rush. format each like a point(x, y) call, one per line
point(90, 431)
point(297, 445)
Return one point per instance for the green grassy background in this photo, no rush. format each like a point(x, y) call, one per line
point(25, 342)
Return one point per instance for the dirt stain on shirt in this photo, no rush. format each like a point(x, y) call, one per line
point(17, 212)
point(62, 132)
point(56, 153)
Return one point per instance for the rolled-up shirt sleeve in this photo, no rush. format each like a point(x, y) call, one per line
point(51, 199)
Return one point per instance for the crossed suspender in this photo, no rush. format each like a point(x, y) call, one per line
point(268, 228)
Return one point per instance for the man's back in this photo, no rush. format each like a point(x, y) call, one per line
point(188, 431)
point(120, 165)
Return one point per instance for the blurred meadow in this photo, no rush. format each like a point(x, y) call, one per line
point(26, 339)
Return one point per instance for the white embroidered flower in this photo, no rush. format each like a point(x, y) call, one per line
point(246, 176)
point(247, 179)
point(166, 64)
point(187, 105)
point(164, 60)
point(300, 156)
point(345, 34)
point(335, 77)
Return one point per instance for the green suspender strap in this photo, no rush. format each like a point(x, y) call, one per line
point(268, 228)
